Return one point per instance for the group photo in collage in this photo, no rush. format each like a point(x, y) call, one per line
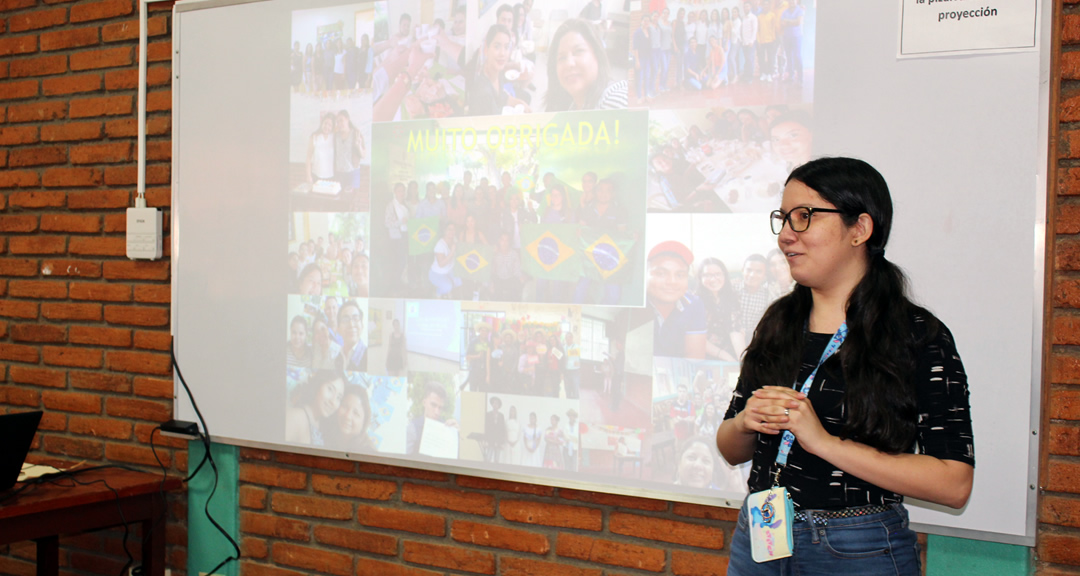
point(533, 237)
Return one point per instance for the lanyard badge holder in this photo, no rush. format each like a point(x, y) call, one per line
point(771, 511)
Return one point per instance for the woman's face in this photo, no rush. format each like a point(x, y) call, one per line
point(696, 466)
point(470, 222)
point(328, 398)
point(577, 67)
point(712, 278)
point(556, 199)
point(311, 285)
point(532, 419)
point(793, 142)
point(298, 335)
point(823, 254)
point(327, 124)
point(778, 269)
point(350, 324)
point(342, 123)
point(710, 411)
point(360, 270)
point(497, 52)
point(351, 416)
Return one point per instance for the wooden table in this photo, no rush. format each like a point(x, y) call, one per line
point(47, 511)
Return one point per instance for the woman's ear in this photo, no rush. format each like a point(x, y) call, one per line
point(862, 229)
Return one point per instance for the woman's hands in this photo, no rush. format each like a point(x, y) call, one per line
point(773, 409)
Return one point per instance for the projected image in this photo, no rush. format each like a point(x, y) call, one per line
point(524, 58)
point(419, 60)
point(434, 414)
point(725, 159)
point(330, 108)
point(688, 54)
point(501, 216)
point(326, 332)
point(521, 431)
point(328, 254)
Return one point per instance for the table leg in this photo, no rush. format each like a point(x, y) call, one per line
point(48, 556)
point(153, 549)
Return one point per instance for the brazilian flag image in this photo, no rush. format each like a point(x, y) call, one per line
point(607, 253)
point(551, 251)
point(423, 235)
point(473, 262)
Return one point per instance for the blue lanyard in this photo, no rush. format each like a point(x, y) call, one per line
point(834, 345)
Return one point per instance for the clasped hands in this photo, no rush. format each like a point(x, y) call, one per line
point(773, 409)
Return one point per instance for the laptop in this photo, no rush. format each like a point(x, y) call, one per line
point(16, 434)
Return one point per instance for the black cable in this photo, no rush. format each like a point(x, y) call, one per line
point(207, 457)
point(161, 490)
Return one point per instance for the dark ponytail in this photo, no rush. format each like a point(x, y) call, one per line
point(878, 358)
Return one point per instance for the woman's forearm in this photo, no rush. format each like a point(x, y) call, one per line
point(736, 444)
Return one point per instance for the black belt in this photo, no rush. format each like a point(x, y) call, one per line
point(822, 517)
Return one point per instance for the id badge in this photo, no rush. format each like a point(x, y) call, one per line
point(771, 514)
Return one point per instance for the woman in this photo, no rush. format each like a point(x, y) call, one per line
point(471, 232)
point(735, 55)
point(320, 157)
point(319, 400)
point(363, 62)
point(513, 436)
point(349, 151)
point(709, 421)
point(309, 63)
point(695, 464)
point(311, 280)
point(679, 44)
point(324, 348)
point(791, 138)
point(791, 21)
point(441, 274)
point(395, 351)
point(456, 209)
point(723, 339)
point(358, 276)
point(780, 281)
point(530, 438)
point(486, 94)
point(299, 353)
point(553, 443)
point(558, 212)
point(896, 381)
point(581, 72)
point(353, 418)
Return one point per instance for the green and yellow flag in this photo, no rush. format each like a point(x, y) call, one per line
point(473, 262)
point(549, 251)
point(423, 235)
point(606, 254)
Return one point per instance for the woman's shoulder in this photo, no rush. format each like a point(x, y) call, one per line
point(614, 97)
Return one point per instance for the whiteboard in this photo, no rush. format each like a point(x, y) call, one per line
point(962, 142)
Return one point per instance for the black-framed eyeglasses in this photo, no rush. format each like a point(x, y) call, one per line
point(798, 218)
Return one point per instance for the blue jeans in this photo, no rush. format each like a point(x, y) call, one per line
point(871, 545)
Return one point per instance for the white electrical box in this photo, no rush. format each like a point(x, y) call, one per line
point(143, 233)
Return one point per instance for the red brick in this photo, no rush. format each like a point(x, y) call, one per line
point(159, 52)
point(149, 410)
point(38, 376)
point(610, 552)
point(664, 530)
point(70, 85)
point(267, 525)
point(313, 506)
point(1063, 476)
point(1058, 546)
point(136, 315)
point(37, 245)
point(129, 29)
point(18, 45)
point(17, 223)
point(38, 333)
point(101, 106)
point(551, 514)
point(1064, 440)
point(1070, 29)
point(248, 454)
point(71, 131)
point(369, 542)
point(159, 101)
point(136, 454)
point(74, 223)
point(37, 289)
point(103, 58)
point(510, 566)
point(38, 199)
point(458, 500)
point(100, 427)
point(101, 10)
point(74, 447)
point(399, 472)
point(12, 396)
point(613, 500)
point(14, 135)
point(18, 179)
point(98, 199)
point(145, 340)
point(153, 387)
point(475, 483)
point(494, 536)
point(54, 422)
point(65, 39)
point(102, 153)
point(41, 156)
point(37, 111)
point(99, 336)
point(71, 356)
point(685, 563)
point(137, 270)
point(18, 309)
point(252, 497)
point(67, 177)
point(71, 268)
point(352, 487)
point(253, 548)
point(369, 567)
point(71, 401)
point(18, 267)
point(449, 557)
point(159, 151)
point(705, 512)
point(1064, 404)
point(272, 476)
point(158, 76)
point(100, 381)
point(312, 559)
point(138, 362)
point(17, 90)
point(322, 463)
point(403, 520)
point(38, 66)
point(97, 246)
point(65, 311)
point(1060, 510)
point(37, 20)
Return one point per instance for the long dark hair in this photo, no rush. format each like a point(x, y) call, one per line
point(877, 359)
point(557, 98)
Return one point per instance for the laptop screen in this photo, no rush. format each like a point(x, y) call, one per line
point(17, 432)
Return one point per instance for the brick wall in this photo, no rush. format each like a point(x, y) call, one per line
point(84, 334)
